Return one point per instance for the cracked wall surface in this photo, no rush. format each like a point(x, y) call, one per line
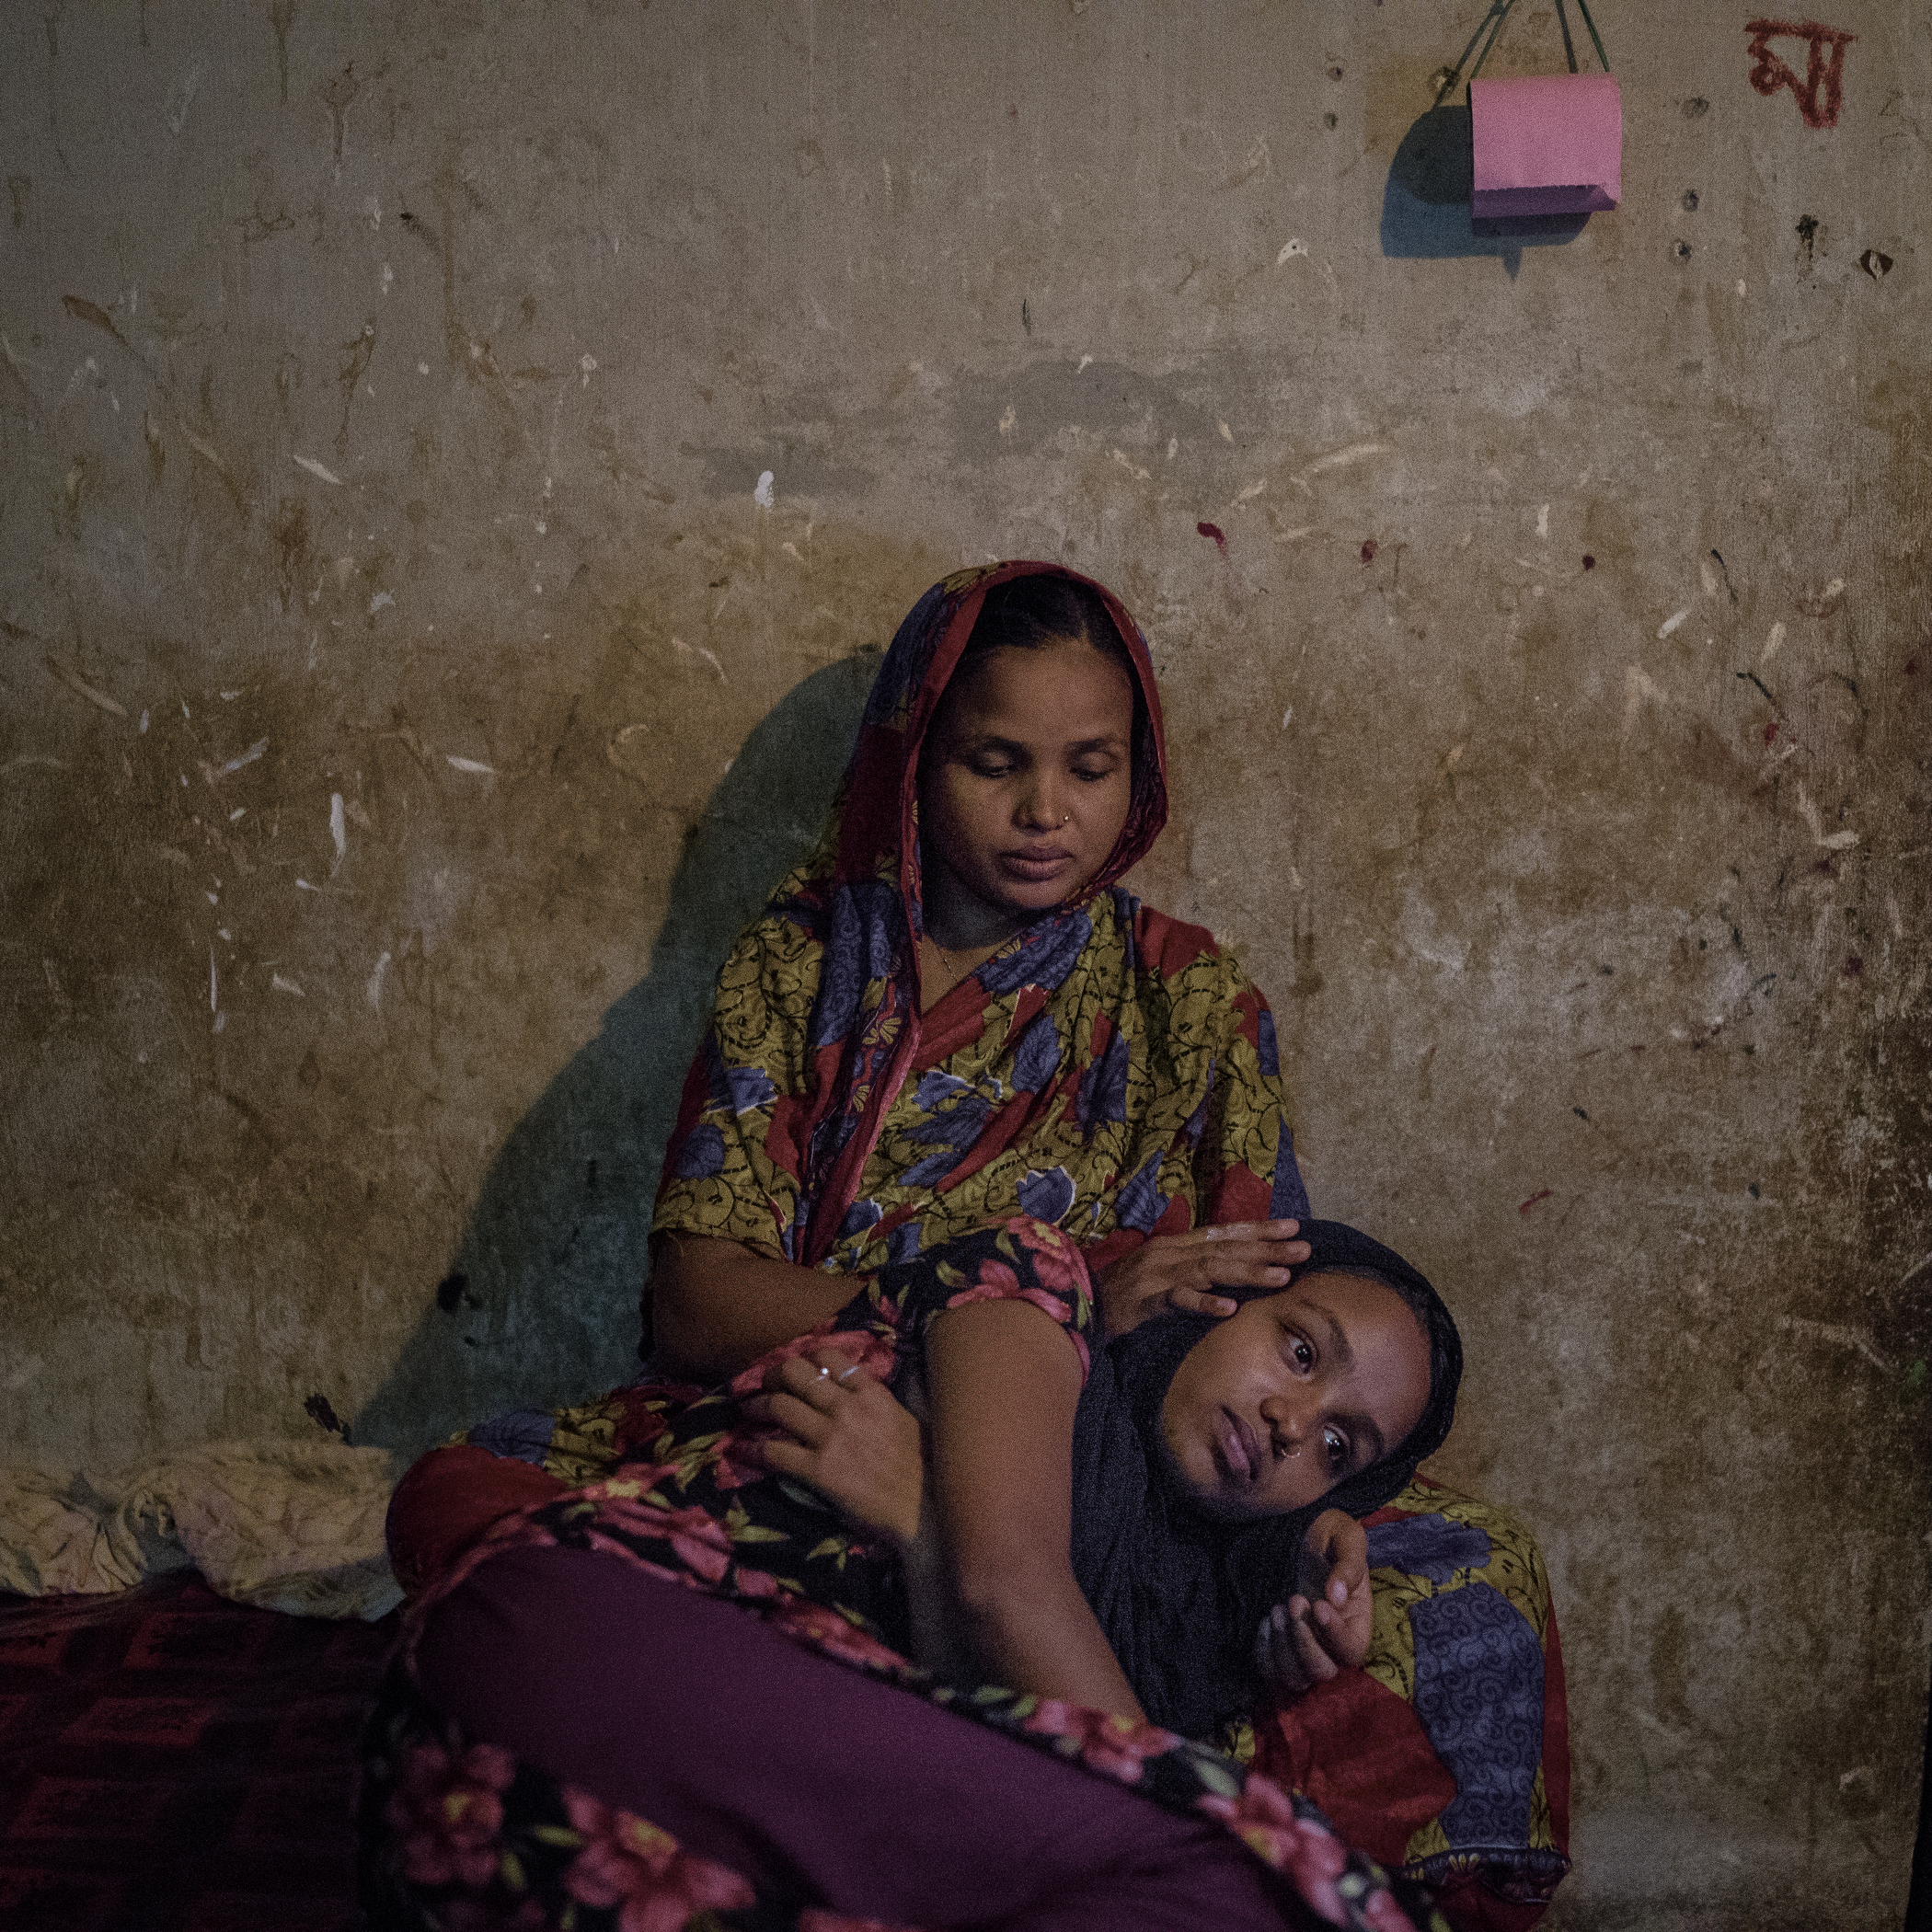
point(407, 685)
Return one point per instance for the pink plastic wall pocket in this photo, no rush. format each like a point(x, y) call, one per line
point(1546, 144)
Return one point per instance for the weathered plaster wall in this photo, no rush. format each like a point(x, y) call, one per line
point(385, 603)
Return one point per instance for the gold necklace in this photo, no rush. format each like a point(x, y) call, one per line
point(954, 972)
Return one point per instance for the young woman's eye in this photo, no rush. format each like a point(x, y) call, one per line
point(989, 768)
point(1335, 1446)
point(1091, 775)
point(1300, 1351)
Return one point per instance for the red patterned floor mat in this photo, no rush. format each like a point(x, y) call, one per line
point(170, 1761)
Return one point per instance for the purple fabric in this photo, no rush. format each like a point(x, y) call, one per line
point(813, 1781)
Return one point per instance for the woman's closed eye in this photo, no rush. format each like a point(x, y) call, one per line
point(1005, 768)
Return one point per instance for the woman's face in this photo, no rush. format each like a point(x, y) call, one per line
point(1025, 780)
point(1294, 1391)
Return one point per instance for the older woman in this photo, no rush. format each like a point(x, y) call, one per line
point(954, 1013)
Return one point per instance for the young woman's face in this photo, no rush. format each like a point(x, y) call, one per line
point(1026, 779)
point(1294, 1391)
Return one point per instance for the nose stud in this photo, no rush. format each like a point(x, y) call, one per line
point(1068, 819)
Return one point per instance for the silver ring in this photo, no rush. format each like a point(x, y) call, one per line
point(822, 1374)
point(851, 1370)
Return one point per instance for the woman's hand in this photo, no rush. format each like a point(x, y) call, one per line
point(1325, 1630)
point(846, 1436)
point(1183, 1271)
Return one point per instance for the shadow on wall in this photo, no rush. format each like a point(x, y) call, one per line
point(1425, 205)
point(540, 1305)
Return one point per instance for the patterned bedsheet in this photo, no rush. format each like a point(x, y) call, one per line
point(172, 1762)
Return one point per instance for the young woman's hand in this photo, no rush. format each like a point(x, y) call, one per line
point(1183, 1271)
point(1314, 1635)
point(846, 1436)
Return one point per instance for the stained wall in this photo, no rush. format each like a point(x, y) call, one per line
point(405, 686)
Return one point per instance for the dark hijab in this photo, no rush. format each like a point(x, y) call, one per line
point(1181, 1594)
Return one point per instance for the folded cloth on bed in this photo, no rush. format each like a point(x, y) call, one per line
point(292, 1526)
point(1448, 1755)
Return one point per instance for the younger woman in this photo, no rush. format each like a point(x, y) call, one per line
point(569, 1729)
point(1202, 1450)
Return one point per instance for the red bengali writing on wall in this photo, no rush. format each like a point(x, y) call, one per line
point(1821, 91)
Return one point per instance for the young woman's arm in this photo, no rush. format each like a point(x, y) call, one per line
point(1002, 1382)
point(717, 1306)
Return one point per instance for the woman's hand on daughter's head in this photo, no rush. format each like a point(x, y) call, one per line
point(1184, 1270)
point(846, 1435)
point(1325, 1630)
